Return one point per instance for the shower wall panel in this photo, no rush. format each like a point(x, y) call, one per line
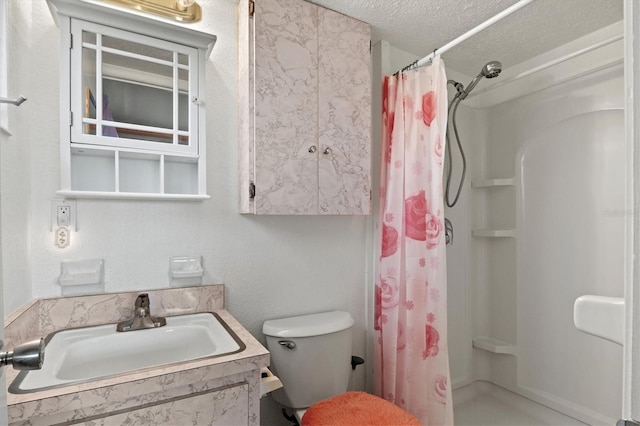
point(459, 262)
point(565, 146)
point(570, 242)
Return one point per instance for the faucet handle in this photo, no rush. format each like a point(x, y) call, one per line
point(27, 356)
point(142, 301)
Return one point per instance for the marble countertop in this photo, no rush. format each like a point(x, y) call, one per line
point(41, 317)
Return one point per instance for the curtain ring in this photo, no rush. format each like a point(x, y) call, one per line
point(410, 66)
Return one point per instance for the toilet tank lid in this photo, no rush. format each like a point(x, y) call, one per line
point(308, 325)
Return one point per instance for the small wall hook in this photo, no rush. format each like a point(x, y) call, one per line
point(15, 102)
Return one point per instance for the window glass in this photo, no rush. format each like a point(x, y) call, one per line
point(137, 84)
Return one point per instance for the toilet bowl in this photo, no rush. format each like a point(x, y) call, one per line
point(312, 356)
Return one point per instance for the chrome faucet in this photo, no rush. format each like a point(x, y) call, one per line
point(141, 317)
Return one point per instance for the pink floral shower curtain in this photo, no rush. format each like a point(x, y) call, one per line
point(412, 363)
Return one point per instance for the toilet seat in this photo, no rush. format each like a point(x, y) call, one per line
point(357, 408)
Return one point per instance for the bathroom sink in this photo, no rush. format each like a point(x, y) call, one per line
point(90, 353)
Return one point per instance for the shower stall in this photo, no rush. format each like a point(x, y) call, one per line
point(547, 205)
point(540, 221)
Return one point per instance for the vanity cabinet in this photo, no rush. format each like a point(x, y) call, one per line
point(228, 406)
point(217, 390)
point(132, 104)
point(211, 394)
point(304, 110)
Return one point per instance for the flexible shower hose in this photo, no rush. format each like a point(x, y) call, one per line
point(454, 103)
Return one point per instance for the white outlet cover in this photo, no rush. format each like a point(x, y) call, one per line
point(53, 225)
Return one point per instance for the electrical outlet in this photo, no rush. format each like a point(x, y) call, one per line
point(63, 215)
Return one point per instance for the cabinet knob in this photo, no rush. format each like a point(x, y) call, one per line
point(312, 149)
point(327, 151)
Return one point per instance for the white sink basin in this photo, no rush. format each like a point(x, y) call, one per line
point(600, 316)
point(84, 354)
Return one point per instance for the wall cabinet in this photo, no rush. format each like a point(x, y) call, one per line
point(305, 110)
point(132, 104)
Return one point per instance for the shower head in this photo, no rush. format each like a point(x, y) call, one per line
point(490, 70)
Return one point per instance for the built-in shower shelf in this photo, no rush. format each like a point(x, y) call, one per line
point(494, 346)
point(494, 233)
point(492, 183)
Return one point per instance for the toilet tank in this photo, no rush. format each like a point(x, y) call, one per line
point(312, 356)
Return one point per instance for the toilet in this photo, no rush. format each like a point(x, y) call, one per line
point(312, 356)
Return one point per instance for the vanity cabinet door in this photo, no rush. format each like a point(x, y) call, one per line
point(304, 110)
point(228, 406)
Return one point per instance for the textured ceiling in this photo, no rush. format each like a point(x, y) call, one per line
point(420, 26)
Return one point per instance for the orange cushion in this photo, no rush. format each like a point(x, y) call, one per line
point(356, 408)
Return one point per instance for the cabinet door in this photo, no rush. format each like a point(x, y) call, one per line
point(132, 91)
point(344, 114)
point(286, 106)
point(311, 111)
point(228, 406)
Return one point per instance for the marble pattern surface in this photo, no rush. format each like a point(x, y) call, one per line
point(129, 397)
point(224, 407)
point(28, 328)
point(245, 106)
point(286, 104)
point(129, 392)
point(344, 115)
point(312, 91)
point(45, 316)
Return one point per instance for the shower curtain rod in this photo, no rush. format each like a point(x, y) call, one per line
point(508, 11)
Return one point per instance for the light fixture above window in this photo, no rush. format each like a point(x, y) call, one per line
point(180, 10)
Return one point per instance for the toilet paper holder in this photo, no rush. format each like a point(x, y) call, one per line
point(268, 381)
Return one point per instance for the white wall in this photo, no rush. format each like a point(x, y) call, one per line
point(4, 10)
point(272, 266)
point(24, 77)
